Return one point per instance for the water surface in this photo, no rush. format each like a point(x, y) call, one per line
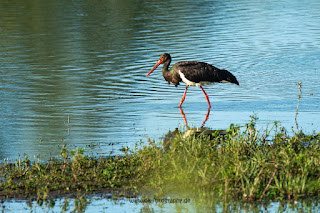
point(88, 61)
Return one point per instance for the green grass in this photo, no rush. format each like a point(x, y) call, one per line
point(246, 165)
point(242, 165)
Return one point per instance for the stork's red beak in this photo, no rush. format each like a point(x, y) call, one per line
point(155, 67)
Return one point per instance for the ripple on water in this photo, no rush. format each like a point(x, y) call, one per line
point(90, 61)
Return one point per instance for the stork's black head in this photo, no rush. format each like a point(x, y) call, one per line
point(165, 57)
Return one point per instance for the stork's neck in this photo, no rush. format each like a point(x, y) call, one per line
point(165, 67)
point(165, 70)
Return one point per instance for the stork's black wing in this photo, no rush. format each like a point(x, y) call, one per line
point(199, 71)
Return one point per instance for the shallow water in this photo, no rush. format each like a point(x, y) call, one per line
point(88, 61)
point(173, 204)
point(74, 71)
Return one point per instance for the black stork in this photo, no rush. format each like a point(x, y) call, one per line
point(192, 73)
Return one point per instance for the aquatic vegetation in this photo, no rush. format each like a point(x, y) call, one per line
point(244, 164)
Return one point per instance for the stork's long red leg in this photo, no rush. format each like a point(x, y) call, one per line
point(207, 97)
point(184, 96)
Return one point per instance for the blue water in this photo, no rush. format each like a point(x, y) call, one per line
point(88, 61)
point(98, 204)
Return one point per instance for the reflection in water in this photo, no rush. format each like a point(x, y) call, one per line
point(185, 119)
point(190, 131)
point(99, 204)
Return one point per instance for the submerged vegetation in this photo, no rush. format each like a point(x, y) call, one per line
point(245, 164)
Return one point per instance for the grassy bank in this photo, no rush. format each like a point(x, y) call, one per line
point(246, 164)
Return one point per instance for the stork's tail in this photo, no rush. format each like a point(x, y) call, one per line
point(228, 77)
